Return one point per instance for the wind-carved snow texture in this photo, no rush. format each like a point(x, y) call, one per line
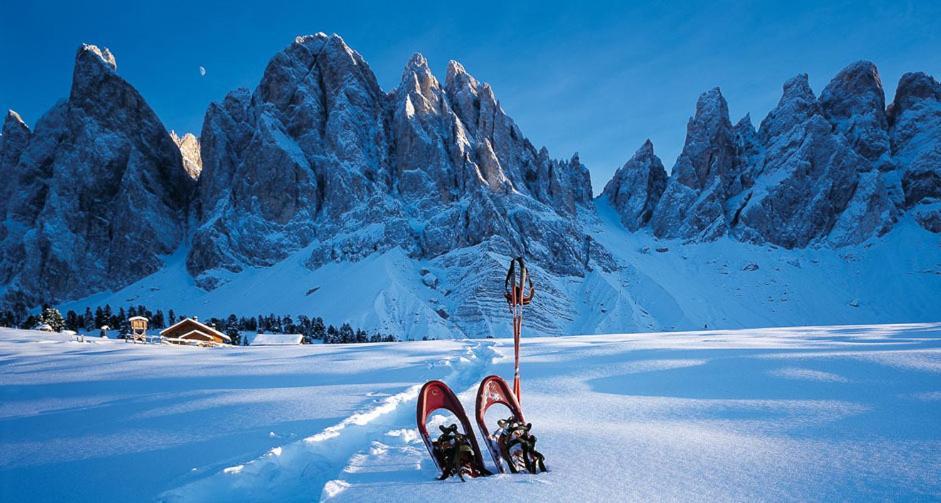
point(825, 413)
point(818, 171)
point(318, 166)
point(95, 196)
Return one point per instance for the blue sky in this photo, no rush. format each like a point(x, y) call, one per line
point(597, 79)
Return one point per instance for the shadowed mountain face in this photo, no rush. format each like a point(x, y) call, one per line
point(96, 191)
point(834, 170)
point(318, 162)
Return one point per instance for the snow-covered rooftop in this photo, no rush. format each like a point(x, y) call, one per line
point(274, 339)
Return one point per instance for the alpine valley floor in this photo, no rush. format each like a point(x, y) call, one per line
point(810, 413)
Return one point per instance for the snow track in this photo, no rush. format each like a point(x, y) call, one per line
point(323, 464)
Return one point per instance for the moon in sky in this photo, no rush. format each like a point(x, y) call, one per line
point(202, 71)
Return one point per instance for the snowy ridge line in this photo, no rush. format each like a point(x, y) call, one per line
point(314, 462)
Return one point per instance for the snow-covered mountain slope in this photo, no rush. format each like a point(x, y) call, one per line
point(320, 193)
point(657, 285)
point(811, 413)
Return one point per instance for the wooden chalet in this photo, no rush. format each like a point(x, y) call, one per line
point(190, 331)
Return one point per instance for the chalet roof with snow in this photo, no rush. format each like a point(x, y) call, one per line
point(188, 329)
point(275, 339)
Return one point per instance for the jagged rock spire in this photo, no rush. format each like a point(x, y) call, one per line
point(703, 178)
point(636, 187)
point(915, 133)
point(854, 102)
point(100, 191)
point(189, 150)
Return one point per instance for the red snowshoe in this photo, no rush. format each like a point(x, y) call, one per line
point(454, 452)
point(511, 443)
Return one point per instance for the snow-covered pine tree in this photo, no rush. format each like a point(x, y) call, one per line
point(30, 322)
point(331, 336)
point(100, 318)
point(232, 329)
point(53, 318)
point(124, 327)
point(317, 328)
point(89, 320)
point(346, 334)
point(71, 321)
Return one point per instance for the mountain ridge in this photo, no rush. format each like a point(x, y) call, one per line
point(319, 160)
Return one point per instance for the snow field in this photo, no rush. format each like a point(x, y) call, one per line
point(805, 413)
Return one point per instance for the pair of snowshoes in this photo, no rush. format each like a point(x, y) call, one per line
point(457, 452)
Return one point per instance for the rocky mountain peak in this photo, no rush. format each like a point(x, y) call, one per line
point(419, 84)
point(102, 193)
point(796, 106)
point(711, 106)
point(13, 139)
point(189, 150)
point(915, 135)
point(457, 77)
point(744, 124)
point(95, 54)
point(706, 153)
point(854, 102)
point(913, 88)
point(14, 126)
point(93, 66)
point(704, 176)
point(417, 64)
point(798, 88)
point(636, 187)
point(316, 38)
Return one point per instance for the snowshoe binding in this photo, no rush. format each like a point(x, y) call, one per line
point(510, 444)
point(518, 446)
point(455, 452)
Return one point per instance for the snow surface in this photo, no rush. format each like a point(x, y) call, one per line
point(811, 413)
point(720, 284)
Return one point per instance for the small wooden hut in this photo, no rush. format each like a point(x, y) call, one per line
point(190, 331)
point(138, 329)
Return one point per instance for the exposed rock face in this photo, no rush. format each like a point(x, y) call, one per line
point(818, 170)
point(808, 175)
point(915, 130)
point(15, 137)
point(100, 193)
point(189, 150)
point(319, 157)
point(854, 103)
point(13, 140)
point(706, 174)
point(319, 154)
point(636, 187)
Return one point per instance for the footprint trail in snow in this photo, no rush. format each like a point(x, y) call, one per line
point(379, 439)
